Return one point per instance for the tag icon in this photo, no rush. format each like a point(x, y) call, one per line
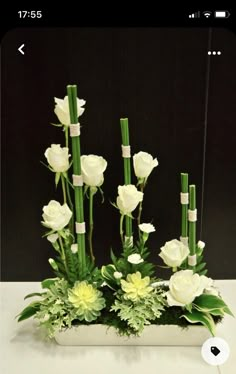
point(215, 351)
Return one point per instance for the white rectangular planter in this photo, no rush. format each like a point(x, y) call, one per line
point(171, 335)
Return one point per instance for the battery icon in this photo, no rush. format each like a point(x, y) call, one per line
point(222, 14)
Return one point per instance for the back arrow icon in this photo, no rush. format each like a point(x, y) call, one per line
point(20, 49)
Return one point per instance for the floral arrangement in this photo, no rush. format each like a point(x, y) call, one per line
point(126, 293)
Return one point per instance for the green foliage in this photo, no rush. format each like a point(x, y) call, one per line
point(200, 268)
point(211, 304)
point(107, 273)
point(29, 311)
point(122, 265)
point(203, 318)
point(140, 313)
point(205, 309)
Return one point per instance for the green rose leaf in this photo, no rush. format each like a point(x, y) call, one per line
point(203, 318)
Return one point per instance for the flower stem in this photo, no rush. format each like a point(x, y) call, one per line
point(140, 205)
point(90, 235)
point(121, 228)
point(66, 136)
point(63, 188)
point(63, 256)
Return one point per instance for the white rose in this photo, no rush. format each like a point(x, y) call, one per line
point(92, 168)
point(58, 158)
point(62, 109)
point(56, 216)
point(52, 238)
point(184, 287)
point(128, 198)
point(143, 164)
point(200, 244)
point(146, 227)
point(74, 248)
point(135, 259)
point(209, 289)
point(117, 274)
point(174, 252)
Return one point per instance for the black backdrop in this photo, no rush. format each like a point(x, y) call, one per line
point(181, 108)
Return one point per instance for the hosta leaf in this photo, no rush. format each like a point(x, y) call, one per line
point(207, 303)
point(29, 311)
point(204, 318)
point(228, 311)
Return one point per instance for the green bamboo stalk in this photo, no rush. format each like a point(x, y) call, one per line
point(184, 215)
point(127, 169)
point(192, 225)
point(79, 206)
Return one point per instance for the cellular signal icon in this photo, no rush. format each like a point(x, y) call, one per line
point(194, 15)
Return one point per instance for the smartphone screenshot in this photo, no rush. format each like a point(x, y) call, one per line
point(118, 178)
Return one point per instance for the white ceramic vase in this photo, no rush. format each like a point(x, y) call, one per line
point(170, 335)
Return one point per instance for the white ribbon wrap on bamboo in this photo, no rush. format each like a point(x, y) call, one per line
point(184, 198)
point(126, 151)
point(80, 228)
point(75, 129)
point(184, 240)
point(129, 240)
point(192, 215)
point(77, 180)
point(192, 260)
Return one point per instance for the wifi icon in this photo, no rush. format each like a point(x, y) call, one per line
point(207, 13)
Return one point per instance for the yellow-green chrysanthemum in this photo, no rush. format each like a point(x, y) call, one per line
point(136, 287)
point(87, 300)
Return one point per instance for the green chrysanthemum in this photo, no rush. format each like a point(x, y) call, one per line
point(87, 300)
point(136, 287)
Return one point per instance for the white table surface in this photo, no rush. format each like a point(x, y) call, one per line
point(24, 351)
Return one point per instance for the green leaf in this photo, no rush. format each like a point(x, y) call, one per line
point(189, 307)
point(198, 317)
point(56, 125)
point(34, 294)
point(217, 312)
point(113, 257)
point(29, 311)
point(107, 273)
point(204, 272)
point(200, 267)
point(47, 283)
point(228, 311)
point(47, 233)
point(209, 303)
point(199, 259)
point(57, 178)
point(102, 194)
